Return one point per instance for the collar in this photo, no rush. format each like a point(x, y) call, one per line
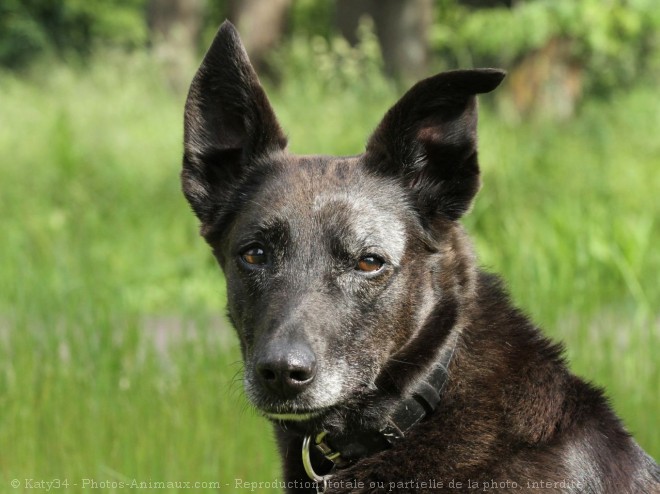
point(342, 451)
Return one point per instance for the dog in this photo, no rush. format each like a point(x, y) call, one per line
point(384, 357)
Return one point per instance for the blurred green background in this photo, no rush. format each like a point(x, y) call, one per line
point(116, 363)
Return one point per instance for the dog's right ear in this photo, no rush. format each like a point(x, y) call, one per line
point(228, 124)
point(428, 139)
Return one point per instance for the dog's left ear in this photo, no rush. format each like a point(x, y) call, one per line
point(228, 125)
point(429, 140)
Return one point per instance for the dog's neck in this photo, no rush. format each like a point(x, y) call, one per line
point(341, 451)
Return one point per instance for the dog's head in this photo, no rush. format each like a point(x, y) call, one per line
point(344, 275)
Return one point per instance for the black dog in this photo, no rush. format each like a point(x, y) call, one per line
point(384, 358)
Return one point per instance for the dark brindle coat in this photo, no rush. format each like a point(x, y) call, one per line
point(349, 278)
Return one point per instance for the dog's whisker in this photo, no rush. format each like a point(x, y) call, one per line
point(406, 362)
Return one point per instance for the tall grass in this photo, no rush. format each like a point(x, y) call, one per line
point(115, 362)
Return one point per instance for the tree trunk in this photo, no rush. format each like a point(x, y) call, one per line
point(261, 24)
point(347, 17)
point(175, 27)
point(402, 27)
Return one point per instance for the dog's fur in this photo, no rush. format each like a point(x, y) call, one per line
point(354, 342)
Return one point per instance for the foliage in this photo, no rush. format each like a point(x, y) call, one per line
point(30, 28)
point(614, 40)
point(337, 66)
point(312, 18)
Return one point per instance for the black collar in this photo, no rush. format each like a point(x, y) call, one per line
point(345, 450)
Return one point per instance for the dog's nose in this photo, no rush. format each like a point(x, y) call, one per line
point(286, 369)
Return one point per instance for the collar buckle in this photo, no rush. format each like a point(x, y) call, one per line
point(326, 450)
point(321, 480)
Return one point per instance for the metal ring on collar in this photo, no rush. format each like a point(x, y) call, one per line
point(307, 463)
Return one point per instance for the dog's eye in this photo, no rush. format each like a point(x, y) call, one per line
point(255, 256)
point(370, 264)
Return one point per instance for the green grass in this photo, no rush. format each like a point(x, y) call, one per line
point(115, 362)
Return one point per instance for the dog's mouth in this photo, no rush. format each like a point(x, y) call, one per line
point(303, 421)
point(296, 416)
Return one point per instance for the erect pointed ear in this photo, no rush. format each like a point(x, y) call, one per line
point(429, 140)
point(228, 124)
